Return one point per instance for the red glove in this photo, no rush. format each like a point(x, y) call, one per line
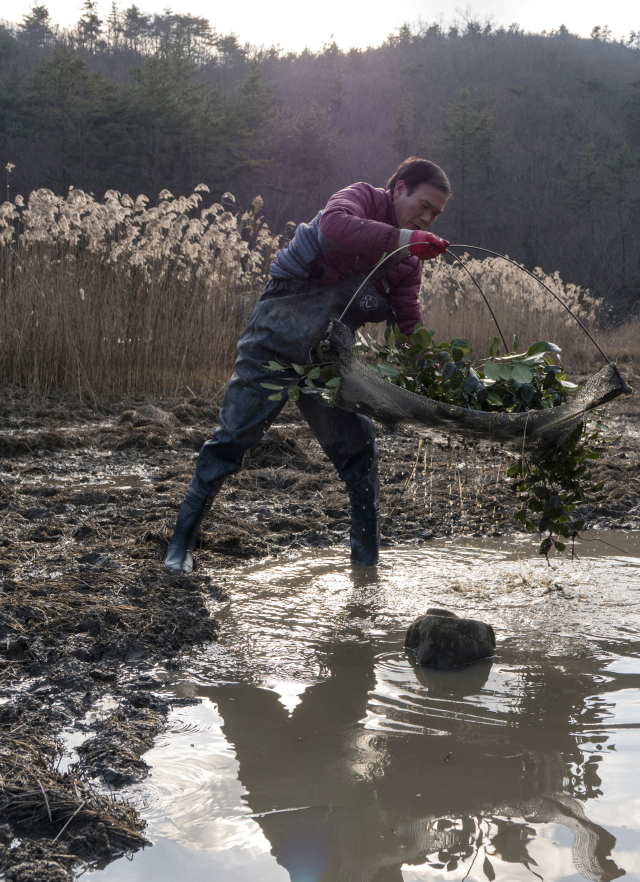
point(426, 246)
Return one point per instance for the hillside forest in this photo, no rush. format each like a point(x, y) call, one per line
point(539, 133)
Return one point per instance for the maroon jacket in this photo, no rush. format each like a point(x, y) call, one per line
point(353, 232)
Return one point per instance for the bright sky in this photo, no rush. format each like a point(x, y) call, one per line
point(363, 24)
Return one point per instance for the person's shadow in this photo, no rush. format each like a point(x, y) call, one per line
point(438, 774)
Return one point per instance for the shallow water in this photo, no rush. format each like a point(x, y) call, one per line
point(104, 482)
point(320, 752)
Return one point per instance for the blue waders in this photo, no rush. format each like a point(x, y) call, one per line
point(289, 321)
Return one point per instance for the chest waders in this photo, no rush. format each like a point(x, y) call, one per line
point(289, 321)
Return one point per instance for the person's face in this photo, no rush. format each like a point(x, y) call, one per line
point(418, 210)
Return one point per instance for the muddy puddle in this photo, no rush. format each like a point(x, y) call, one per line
point(319, 751)
point(115, 482)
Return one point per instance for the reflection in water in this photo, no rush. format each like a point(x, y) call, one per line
point(401, 773)
point(322, 753)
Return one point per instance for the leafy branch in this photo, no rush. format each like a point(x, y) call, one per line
point(321, 379)
point(551, 490)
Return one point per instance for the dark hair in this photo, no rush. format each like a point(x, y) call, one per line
point(414, 171)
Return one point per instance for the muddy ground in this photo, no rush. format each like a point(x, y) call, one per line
point(89, 619)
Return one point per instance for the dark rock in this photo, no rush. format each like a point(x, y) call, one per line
point(442, 640)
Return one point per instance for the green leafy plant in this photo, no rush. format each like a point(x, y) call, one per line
point(511, 383)
point(320, 378)
point(550, 490)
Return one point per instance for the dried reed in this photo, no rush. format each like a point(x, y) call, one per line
point(118, 298)
point(453, 306)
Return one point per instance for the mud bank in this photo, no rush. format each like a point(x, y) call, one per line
point(89, 620)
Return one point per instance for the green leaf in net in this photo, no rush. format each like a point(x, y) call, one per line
point(521, 374)
point(491, 371)
point(422, 338)
point(386, 370)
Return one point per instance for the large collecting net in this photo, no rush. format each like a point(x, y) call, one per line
point(533, 434)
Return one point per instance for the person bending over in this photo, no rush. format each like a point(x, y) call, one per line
point(312, 279)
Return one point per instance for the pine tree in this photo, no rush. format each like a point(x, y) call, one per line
point(177, 121)
point(248, 131)
point(66, 105)
point(90, 25)
point(624, 175)
point(35, 30)
point(114, 27)
point(136, 26)
point(8, 47)
point(467, 146)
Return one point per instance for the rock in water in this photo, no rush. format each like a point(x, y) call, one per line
point(442, 640)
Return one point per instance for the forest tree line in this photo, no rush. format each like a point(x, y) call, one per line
point(539, 133)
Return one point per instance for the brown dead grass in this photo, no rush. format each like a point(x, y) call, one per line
point(115, 298)
point(454, 307)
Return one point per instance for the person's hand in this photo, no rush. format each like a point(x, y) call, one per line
point(426, 246)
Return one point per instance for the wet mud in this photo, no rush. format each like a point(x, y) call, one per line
point(88, 616)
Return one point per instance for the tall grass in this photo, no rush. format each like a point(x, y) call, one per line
point(118, 298)
point(453, 305)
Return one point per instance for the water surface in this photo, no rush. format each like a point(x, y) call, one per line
point(319, 751)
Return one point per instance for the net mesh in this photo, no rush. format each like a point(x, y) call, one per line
point(533, 434)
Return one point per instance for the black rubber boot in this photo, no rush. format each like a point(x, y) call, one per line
point(365, 533)
point(192, 511)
